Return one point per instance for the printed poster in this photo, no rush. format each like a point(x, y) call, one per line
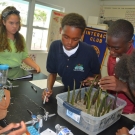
point(96, 38)
point(54, 28)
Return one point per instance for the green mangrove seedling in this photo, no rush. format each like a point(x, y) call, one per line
point(73, 95)
point(68, 96)
point(96, 104)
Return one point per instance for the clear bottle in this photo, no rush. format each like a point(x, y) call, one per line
point(3, 74)
point(62, 130)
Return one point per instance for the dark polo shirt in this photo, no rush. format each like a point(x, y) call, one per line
point(78, 66)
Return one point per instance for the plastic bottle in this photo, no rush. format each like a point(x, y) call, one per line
point(3, 74)
point(62, 130)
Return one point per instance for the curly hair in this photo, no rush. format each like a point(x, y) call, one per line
point(75, 20)
point(131, 63)
point(121, 29)
point(4, 44)
point(125, 69)
point(121, 69)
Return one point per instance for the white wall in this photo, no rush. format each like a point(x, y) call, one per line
point(118, 2)
point(113, 3)
point(83, 7)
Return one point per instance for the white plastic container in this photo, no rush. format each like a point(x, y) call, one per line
point(86, 122)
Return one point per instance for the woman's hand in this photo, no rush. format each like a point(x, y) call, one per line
point(37, 68)
point(28, 61)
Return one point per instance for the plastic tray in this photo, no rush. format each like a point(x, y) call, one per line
point(86, 122)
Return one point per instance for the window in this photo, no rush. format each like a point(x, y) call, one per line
point(35, 21)
point(20, 5)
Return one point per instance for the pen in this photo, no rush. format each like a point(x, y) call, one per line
point(8, 87)
point(44, 100)
point(34, 88)
point(45, 96)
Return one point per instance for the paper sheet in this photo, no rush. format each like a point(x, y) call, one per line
point(130, 116)
point(132, 131)
point(48, 132)
point(43, 83)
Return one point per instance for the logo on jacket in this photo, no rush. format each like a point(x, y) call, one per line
point(79, 67)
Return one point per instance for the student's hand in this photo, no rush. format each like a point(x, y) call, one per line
point(28, 61)
point(37, 68)
point(123, 131)
point(88, 81)
point(19, 131)
point(47, 94)
point(112, 83)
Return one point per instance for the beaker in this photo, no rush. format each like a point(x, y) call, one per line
point(3, 74)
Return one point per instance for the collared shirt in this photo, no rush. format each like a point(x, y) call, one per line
point(70, 52)
point(80, 65)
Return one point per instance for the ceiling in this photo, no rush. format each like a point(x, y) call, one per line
point(117, 0)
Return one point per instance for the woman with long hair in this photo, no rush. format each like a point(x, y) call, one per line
point(13, 49)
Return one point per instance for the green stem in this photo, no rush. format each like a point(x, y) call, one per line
point(68, 96)
point(73, 95)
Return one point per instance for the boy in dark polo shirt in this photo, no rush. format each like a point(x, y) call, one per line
point(71, 58)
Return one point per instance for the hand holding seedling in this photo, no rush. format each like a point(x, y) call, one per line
point(89, 80)
point(112, 83)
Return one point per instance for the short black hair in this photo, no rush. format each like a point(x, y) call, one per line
point(121, 29)
point(75, 20)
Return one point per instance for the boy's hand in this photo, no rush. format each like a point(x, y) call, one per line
point(123, 131)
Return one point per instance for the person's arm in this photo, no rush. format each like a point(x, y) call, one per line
point(114, 84)
point(32, 64)
point(50, 82)
point(26, 59)
point(122, 131)
point(19, 131)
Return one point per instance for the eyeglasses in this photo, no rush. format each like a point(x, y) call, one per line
point(5, 14)
point(113, 48)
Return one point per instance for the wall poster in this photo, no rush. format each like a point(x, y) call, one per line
point(54, 27)
point(96, 38)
